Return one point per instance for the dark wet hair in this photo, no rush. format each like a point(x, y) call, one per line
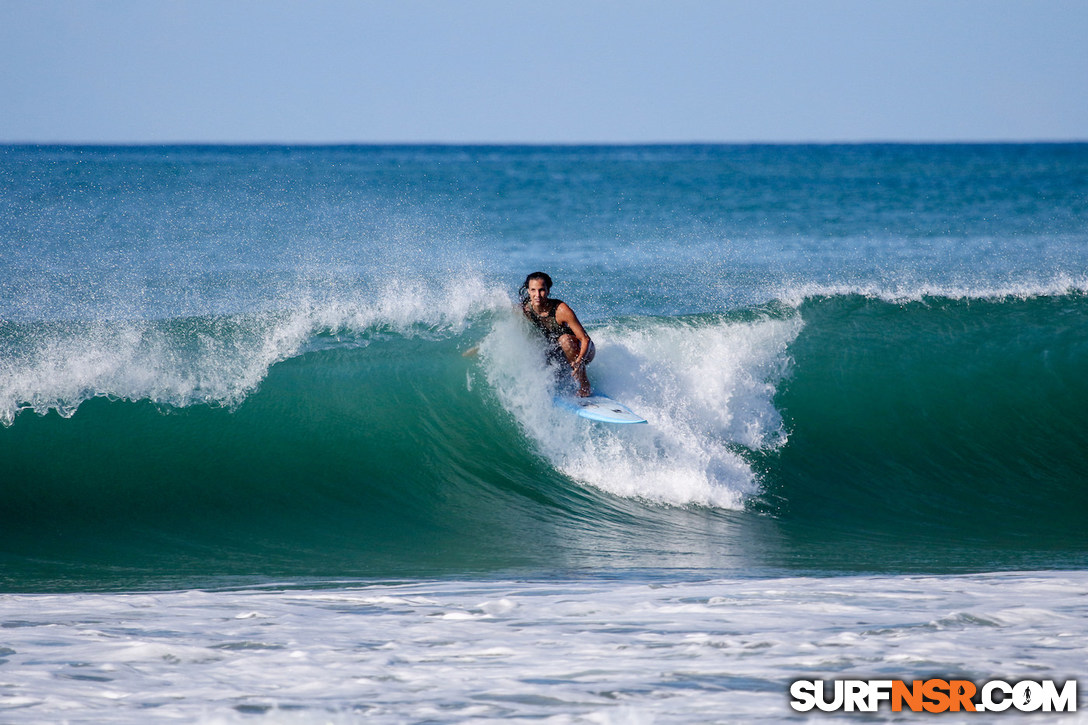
point(542, 276)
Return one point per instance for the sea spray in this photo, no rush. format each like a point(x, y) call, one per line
point(216, 360)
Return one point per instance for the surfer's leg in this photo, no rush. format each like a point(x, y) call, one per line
point(571, 348)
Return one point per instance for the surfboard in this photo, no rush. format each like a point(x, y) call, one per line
point(600, 408)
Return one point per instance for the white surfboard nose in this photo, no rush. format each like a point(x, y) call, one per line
point(600, 408)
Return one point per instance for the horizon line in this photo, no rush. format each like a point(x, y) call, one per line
point(530, 144)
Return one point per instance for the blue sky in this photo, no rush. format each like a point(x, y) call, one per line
point(505, 71)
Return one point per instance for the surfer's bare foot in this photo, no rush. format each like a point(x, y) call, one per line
point(584, 391)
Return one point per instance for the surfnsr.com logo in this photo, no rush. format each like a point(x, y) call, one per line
point(933, 695)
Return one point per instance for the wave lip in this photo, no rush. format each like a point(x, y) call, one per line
point(1060, 285)
point(216, 360)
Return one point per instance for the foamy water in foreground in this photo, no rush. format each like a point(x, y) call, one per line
point(595, 651)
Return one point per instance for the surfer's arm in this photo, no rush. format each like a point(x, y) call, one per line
point(565, 314)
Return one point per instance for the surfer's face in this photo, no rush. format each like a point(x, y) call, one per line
point(538, 292)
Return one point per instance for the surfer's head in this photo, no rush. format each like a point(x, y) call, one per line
point(541, 279)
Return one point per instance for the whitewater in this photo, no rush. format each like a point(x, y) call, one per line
point(583, 650)
point(275, 446)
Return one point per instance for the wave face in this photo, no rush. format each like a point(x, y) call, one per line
point(351, 441)
point(943, 419)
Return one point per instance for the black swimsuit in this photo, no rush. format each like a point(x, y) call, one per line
point(552, 328)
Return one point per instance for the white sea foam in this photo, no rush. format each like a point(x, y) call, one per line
point(901, 292)
point(706, 388)
point(562, 651)
point(218, 361)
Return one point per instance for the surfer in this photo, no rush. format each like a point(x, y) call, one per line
point(560, 326)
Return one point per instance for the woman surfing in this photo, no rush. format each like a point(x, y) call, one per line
point(555, 319)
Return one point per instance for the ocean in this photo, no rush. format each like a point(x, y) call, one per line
point(276, 447)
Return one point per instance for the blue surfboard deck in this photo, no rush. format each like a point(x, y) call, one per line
point(600, 408)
